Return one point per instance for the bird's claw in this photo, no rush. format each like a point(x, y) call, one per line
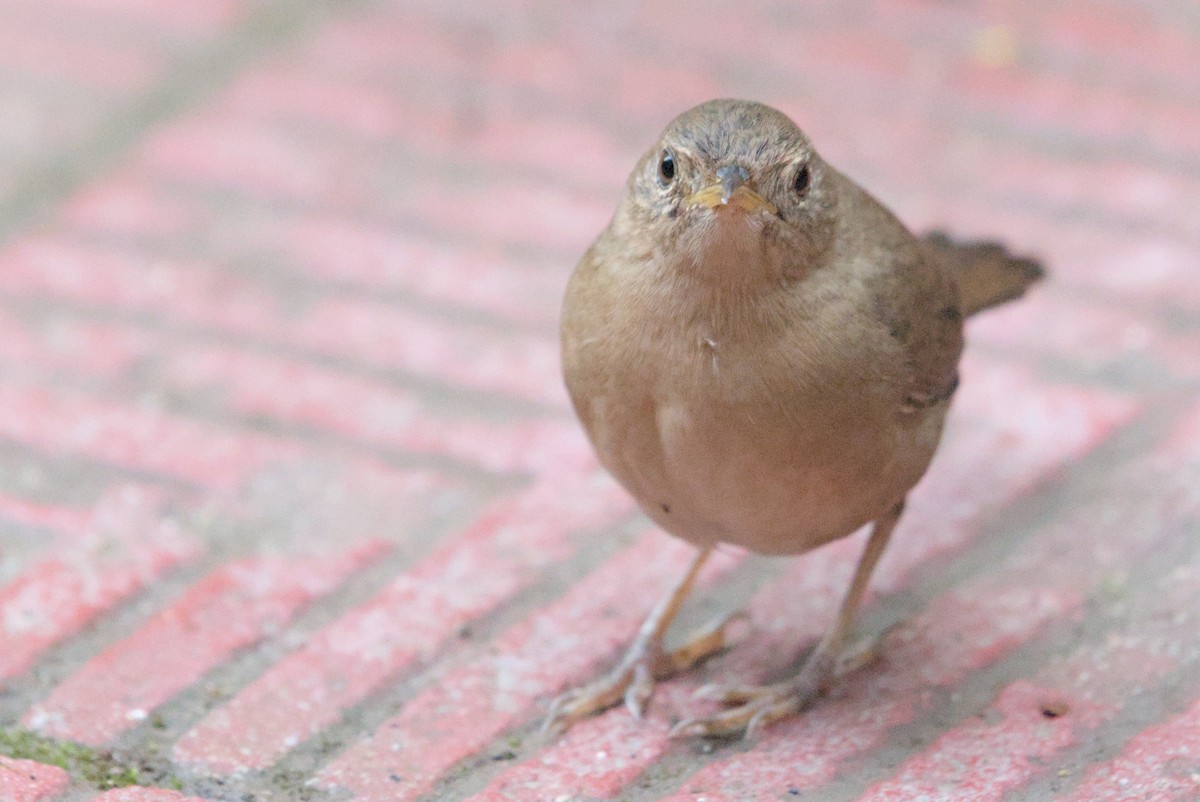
point(608, 690)
point(633, 679)
point(754, 707)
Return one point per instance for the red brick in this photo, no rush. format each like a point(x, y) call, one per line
point(1028, 428)
point(80, 61)
point(295, 95)
point(594, 86)
point(1158, 763)
point(474, 356)
point(467, 707)
point(1100, 111)
point(959, 768)
point(371, 411)
point(249, 383)
point(518, 212)
point(1144, 267)
point(127, 203)
point(372, 256)
point(371, 43)
point(1125, 39)
point(1014, 741)
point(1102, 99)
point(1093, 335)
point(993, 172)
point(237, 605)
point(1001, 413)
point(576, 151)
point(535, 445)
point(879, 54)
point(67, 345)
point(273, 162)
point(177, 16)
point(141, 440)
point(328, 248)
point(60, 529)
point(51, 270)
point(407, 623)
point(215, 151)
point(597, 757)
point(970, 627)
point(126, 547)
point(27, 781)
point(387, 336)
point(1095, 679)
point(136, 438)
point(712, 36)
point(1123, 187)
point(58, 518)
point(135, 794)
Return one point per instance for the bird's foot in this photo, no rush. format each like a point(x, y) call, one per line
point(755, 706)
point(751, 707)
point(632, 680)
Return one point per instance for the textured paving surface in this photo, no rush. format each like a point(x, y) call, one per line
point(291, 503)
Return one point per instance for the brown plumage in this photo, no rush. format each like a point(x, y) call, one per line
point(763, 356)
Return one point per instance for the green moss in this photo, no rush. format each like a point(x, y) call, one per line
point(93, 766)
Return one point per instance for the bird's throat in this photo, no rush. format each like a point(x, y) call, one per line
point(730, 250)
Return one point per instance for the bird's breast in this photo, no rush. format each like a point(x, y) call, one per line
point(727, 441)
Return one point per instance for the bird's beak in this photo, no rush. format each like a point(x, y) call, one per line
point(731, 190)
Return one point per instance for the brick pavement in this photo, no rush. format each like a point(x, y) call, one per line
point(292, 506)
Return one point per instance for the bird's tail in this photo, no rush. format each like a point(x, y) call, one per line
point(987, 273)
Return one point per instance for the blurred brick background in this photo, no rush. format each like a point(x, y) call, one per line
point(292, 506)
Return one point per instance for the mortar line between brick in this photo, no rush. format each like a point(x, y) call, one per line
point(146, 745)
point(731, 593)
point(111, 625)
point(1153, 706)
point(307, 436)
point(423, 162)
point(863, 91)
point(89, 469)
point(296, 282)
point(364, 717)
point(175, 717)
point(980, 689)
point(498, 405)
point(313, 436)
point(949, 111)
point(1171, 318)
point(43, 185)
point(1002, 530)
point(1146, 377)
point(555, 257)
point(1070, 212)
point(1073, 489)
point(1019, 518)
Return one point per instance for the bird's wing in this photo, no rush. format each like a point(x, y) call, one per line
point(919, 302)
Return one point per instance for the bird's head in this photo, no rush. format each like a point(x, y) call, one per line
point(734, 191)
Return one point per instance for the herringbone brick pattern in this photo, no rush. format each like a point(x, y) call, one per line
point(292, 505)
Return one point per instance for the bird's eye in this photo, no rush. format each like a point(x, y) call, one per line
point(666, 168)
point(801, 181)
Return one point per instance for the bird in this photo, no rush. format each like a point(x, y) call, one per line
point(763, 356)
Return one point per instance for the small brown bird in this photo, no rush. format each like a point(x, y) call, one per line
point(763, 356)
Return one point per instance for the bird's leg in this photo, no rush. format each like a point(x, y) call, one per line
point(756, 706)
point(645, 661)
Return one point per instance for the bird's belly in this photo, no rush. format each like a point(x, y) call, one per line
point(707, 477)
